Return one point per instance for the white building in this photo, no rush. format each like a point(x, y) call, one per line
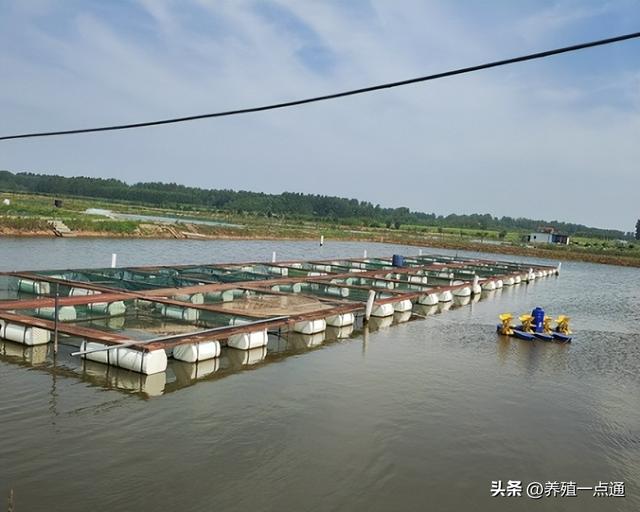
point(547, 238)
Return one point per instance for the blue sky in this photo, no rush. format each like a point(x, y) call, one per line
point(553, 139)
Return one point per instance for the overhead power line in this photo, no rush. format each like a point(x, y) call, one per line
point(352, 92)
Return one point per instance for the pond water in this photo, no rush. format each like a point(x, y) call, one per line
point(418, 416)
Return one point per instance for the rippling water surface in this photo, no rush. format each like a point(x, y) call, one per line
point(417, 416)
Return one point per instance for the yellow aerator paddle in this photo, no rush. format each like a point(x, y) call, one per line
point(563, 324)
point(526, 320)
point(506, 327)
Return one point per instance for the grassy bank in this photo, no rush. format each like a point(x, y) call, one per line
point(30, 215)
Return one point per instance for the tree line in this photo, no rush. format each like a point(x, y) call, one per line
point(287, 204)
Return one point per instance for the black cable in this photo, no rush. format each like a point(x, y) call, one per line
point(389, 85)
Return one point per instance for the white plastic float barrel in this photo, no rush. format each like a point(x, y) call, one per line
point(337, 291)
point(488, 286)
point(509, 281)
point(65, 313)
point(281, 271)
point(108, 308)
point(382, 310)
point(240, 321)
point(248, 340)
point(81, 292)
point(229, 295)
point(465, 291)
point(341, 320)
point(310, 326)
point(154, 361)
point(295, 287)
point(402, 306)
point(430, 299)
point(179, 313)
point(499, 284)
point(196, 298)
point(192, 352)
point(446, 296)
point(224, 296)
point(24, 334)
point(34, 287)
point(517, 279)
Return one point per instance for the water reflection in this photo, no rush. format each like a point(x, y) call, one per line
point(187, 373)
point(34, 355)
point(302, 341)
point(112, 377)
point(239, 358)
point(489, 294)
point(338, 333)
point(421, 310)
point(377, 323)
point(399, 318)
point(444, 306)
point(461, 301)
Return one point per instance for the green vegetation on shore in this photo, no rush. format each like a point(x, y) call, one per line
point(28, 215)
point(289, 205)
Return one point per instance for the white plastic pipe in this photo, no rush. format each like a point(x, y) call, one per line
point(114, 259)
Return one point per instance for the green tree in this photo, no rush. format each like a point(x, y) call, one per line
point(638, 230)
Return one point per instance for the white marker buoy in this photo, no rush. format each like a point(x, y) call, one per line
point(321, 240)
point(419, 252)
point(114, 259)
point(365, 254)
point(273, 257)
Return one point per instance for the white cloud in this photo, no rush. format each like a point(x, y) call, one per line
point(471, 143)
